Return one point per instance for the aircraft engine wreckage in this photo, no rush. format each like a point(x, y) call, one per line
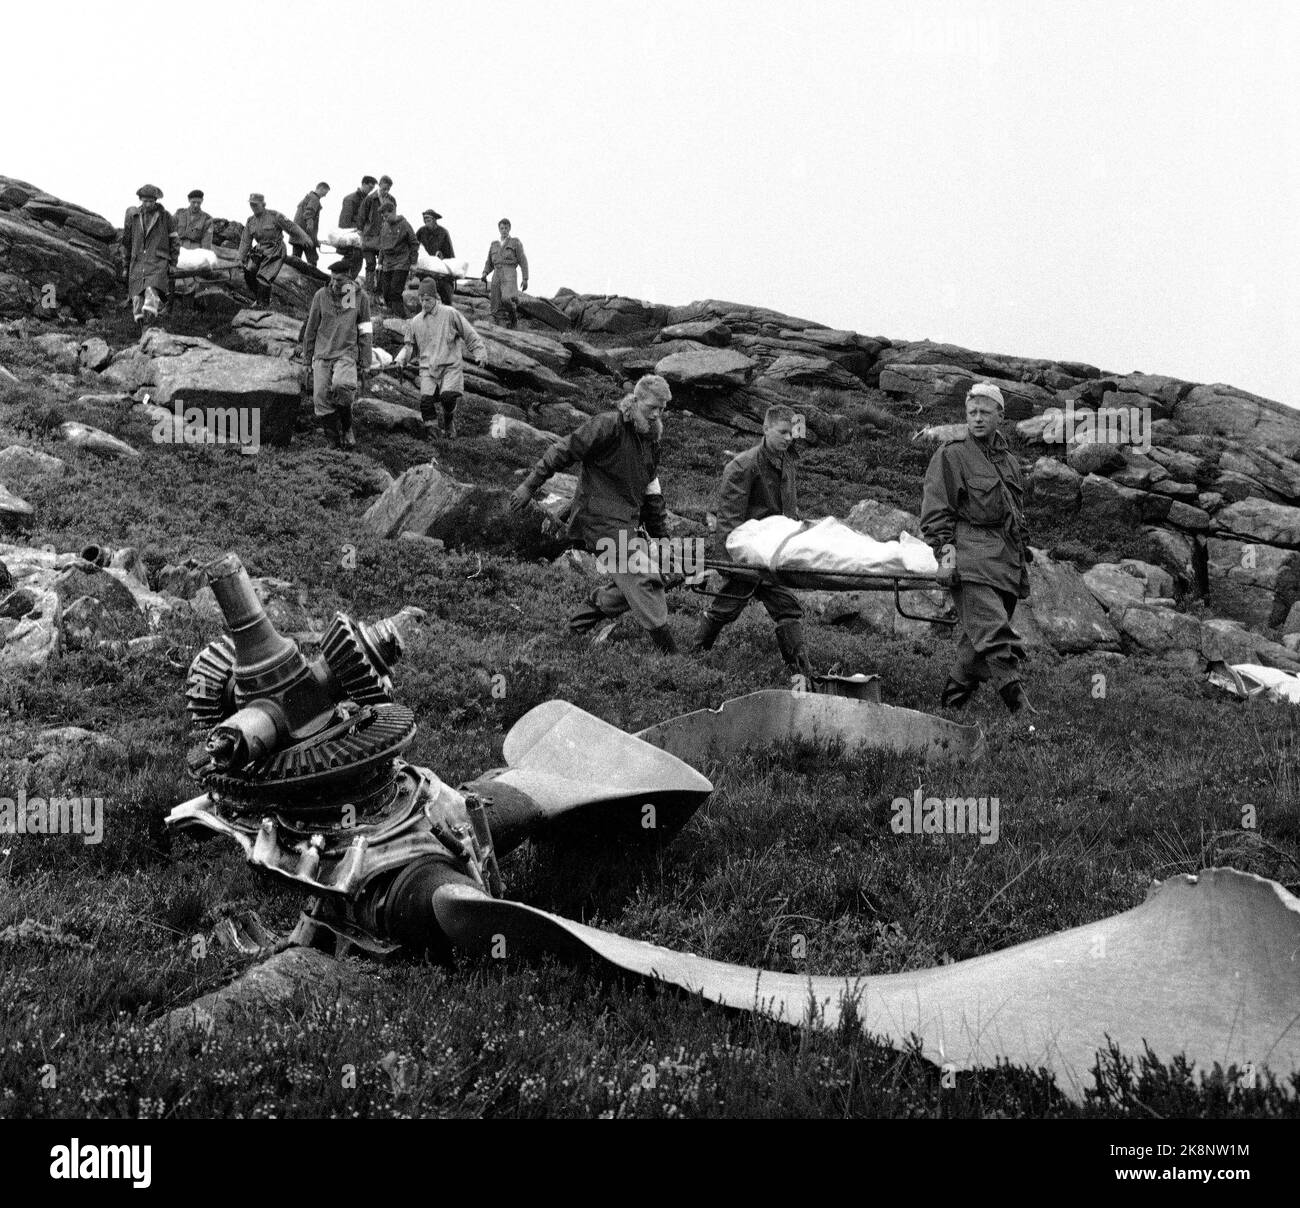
point(301, 767)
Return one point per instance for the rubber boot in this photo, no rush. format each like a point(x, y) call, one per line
point(429, 413)
point(663, 639)
point(706, 633)
point(345, 426)
point(333, 432)
point(449, 415)
point(956, 695)
point(1013, 696)
point(789, 640)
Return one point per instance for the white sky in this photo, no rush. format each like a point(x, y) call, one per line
point(1114, 182)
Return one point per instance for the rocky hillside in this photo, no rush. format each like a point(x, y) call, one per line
point(1184, 544)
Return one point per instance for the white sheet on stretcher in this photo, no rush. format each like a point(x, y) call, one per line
point(343, 237)
point(828, 546)
point(197, 257)
point(444, 268)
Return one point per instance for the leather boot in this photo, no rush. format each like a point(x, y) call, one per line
point(333, 432)
point(663, 639)
point(429, 413)
point(956, 695)
point(789, 640)
point(449, 417)
point(345, 426)
point(706, 633)
point(1013, 696)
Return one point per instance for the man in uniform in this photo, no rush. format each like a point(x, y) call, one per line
point(151, 247)
point(370, 222)
point(194, 229)
point(261, 249)
point(336, 342)
point(350, 220)
point(307, 216)
point(972, 518)
point(618, 491)
point(437, 336)
point(437, 242)
point(505, 256)
point(756, 484)
point(397, 252)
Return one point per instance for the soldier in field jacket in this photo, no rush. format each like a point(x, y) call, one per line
point(617, 453)
point(972, 518)
point(759, 483)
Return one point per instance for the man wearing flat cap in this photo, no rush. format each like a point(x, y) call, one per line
point(261, 248)
point(337, 342)
point(618, 493)
point(437, 242)
point(437, 336)
point(150, 247)
point(972, 517)
point(194, 228)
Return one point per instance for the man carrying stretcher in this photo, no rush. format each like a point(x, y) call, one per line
point(757, 484)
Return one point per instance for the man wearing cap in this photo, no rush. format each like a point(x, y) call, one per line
point(505, 257)
point(756, 484)
point(151, 248)
point(336, 342)
point(307, 216)
point(194, 229)
point(370, 222)
point(261, 249)
point(437, 336)
point(618, 492)
point(437, 242)
point(397, 252)
point(350, 220)
point(972, 517)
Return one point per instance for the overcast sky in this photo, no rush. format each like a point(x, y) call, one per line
point(1114, 182)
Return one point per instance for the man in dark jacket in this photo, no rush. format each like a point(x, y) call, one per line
point(759, 483)
point(151, 248)
point(307, 216)
point(261, 247)
point(194, 230)
point(972, 518)
point(397, 252)
point(437, 242)
point(370, 222)
point(618, 491)
point(350, 220)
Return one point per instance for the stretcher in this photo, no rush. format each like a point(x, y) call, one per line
point(754, 577)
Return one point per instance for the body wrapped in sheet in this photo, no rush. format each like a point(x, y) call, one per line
point(444, 268)
point(830, 546)
point(196, 257)
point(343, 237)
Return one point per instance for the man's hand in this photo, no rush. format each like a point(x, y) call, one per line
point(481, 361)
point(520, 497)
point(484, 278)
point(946, 576)
point(523, 289)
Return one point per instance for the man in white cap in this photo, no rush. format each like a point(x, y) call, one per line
point(618, 491)
point(151, 248)
point(972, 517)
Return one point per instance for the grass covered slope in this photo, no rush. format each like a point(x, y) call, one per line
point(1144, 779)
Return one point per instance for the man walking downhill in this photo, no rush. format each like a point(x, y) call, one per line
point(437, 242)
point(194, 230)
point(437, 336)
point(350, 220)
point(756, 484)
point(307, 216)
point(261, 247)
point(397, 251)
point(371, 223)
point(505, 259)
point(151, 247)
point(972, 518)
point(337, 343)
point(618, 492)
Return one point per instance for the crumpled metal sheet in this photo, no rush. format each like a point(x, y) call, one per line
point(1208, 966)
point(774, 715)
point(1249, 679)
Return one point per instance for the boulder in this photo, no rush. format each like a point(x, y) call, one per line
point(37, 637)
point(17, 603)
point(930, 387)
point(1107, 502)
point(520, 370)
point(1141, 473)
point(1228, 642)
point(1090, 457)
point(543, 349)
point(941, 434)
point(94, 354)
point(115, 401)
point(89, 622)
point(1185, 516)
point(588, 356)
point(183, 580)
point(14, 509)
point(1260, 520)
point(809, 373)
point(517, 433)
point(1226, 411)
point(708, 367)
point(85, 579)
point(268, 332)
point(1156, 580)
point(1113, 587)
point(61, 349)
point(1064, 609)
point(19, 463)
point(712, 332)
point(1183, 491)
point(540, 310)
point(610, 312)
point(880, 521)
point(1250, 581)
point(1054, 484)
point(93, 440)
point(1182, 466)
point(1176, 553)
point(1159, 630)
point(388, 417)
